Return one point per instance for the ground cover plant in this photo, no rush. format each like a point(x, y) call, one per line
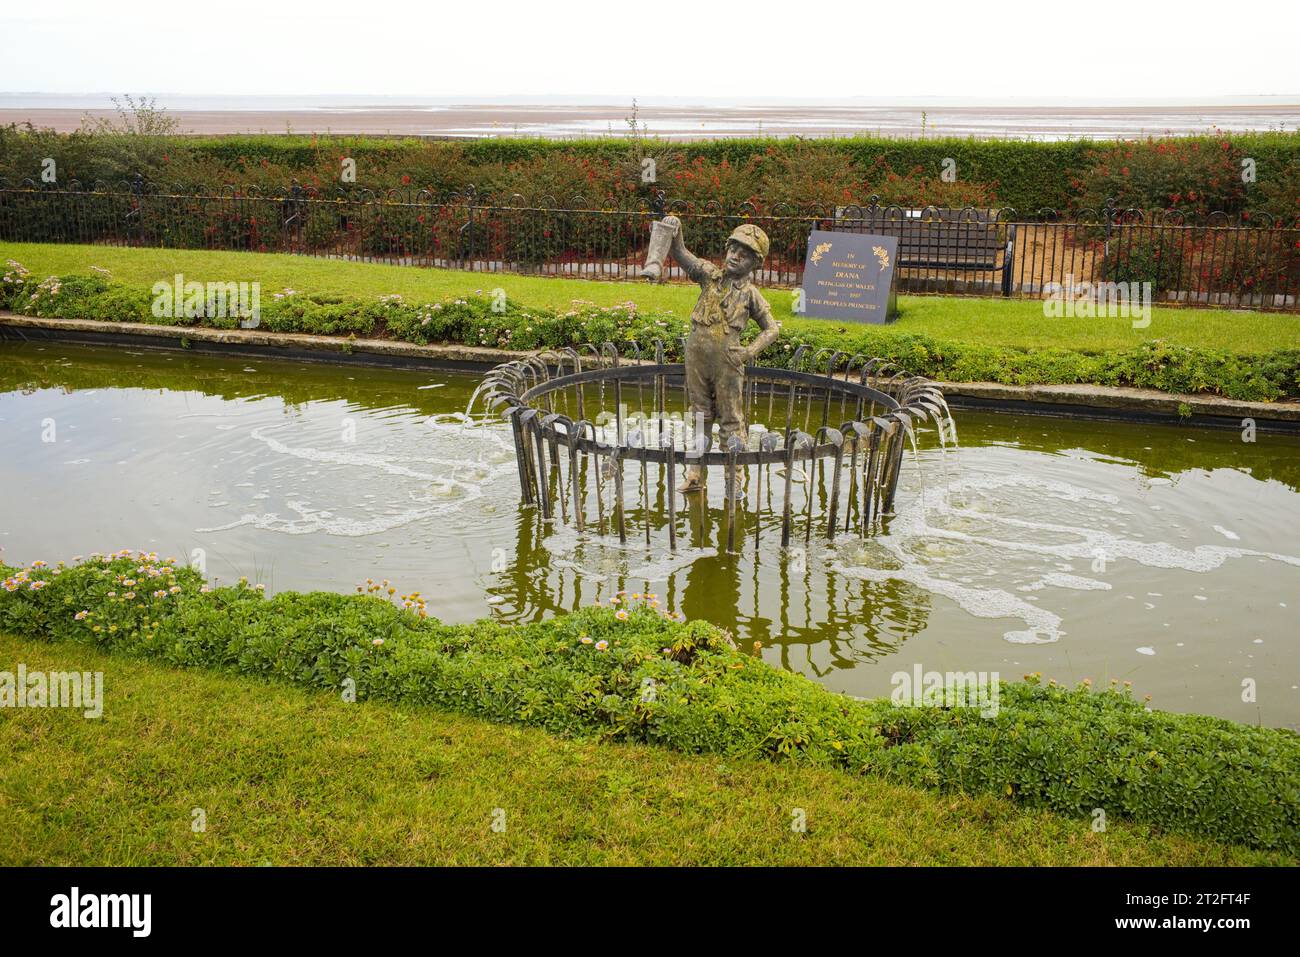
point(633, 673)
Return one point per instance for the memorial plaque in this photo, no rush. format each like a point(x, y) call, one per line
point(850, 276)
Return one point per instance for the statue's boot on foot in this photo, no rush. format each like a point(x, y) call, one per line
point(694, 481)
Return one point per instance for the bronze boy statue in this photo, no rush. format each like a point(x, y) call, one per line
point(715, 356)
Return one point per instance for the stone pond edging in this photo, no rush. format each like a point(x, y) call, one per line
point(1094, 401)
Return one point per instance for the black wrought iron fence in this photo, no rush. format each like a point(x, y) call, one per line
point(1240, 260)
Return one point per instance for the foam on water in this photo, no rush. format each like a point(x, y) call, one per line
point(1043, 625)
point(1062, 580)
point(605, 558)
point(929, 516)
point(435, 485)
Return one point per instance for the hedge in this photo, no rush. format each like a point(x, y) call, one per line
point(1027, 176)
point(471, 320)
point(636, 673)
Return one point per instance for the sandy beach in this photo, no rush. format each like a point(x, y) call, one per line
point(693, 122)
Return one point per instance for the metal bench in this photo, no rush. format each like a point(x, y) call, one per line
point(954, 240)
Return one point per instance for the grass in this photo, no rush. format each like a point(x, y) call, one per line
point(291, 777)
point(1015, 323)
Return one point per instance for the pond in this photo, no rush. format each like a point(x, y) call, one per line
point(1161, 555)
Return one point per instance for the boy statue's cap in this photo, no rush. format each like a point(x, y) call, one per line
point(751, 237)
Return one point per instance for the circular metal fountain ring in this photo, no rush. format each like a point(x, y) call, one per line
point(553, 448)
point(556, 427)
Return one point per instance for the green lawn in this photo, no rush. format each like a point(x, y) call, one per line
point(289, 777)
point(994, 321)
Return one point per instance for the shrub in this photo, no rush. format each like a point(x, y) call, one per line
point(295, 312)
point(804, 173)
point(1263, 262)
point(1278, 192)
point(1192, 174)
point(16, 284)
point(1203, 261)
point(1138, 255)
point(588, 673)
point(916, 190)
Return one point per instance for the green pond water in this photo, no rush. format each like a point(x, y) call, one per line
point(1164, 556)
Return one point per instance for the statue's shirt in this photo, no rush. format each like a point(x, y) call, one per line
point(724, 301)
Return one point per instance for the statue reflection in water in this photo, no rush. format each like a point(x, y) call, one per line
point(804, 616)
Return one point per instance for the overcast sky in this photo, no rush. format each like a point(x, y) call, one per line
point(809, 50)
